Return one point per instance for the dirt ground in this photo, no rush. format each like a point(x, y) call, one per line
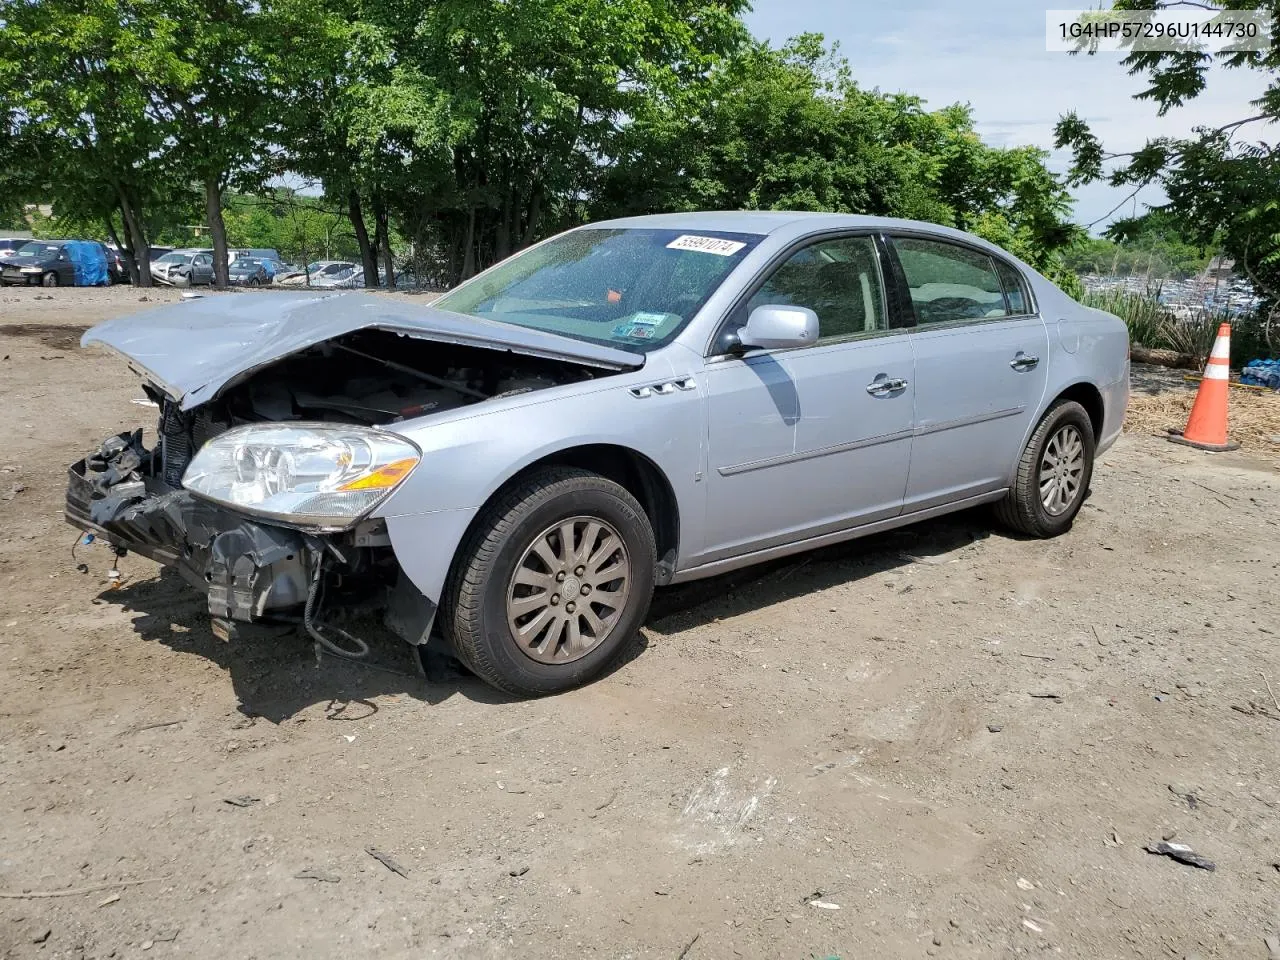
point(941, 742)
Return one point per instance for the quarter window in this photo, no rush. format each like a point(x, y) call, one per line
point(839, 280)
point(950, 283)
point(1015, 289)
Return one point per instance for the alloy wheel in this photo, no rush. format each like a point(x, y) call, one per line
point(569, 590)
point(1061, 470)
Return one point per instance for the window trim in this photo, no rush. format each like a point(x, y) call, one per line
point(899, 321)
point(905, 289)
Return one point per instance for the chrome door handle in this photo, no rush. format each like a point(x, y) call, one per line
point(878, 388)
point(1024, 362)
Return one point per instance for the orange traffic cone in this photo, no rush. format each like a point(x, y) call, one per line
point(1207, 425)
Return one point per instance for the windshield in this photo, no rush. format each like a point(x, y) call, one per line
point(38, 249)
point(630, 289)
point(244, 263)
point(174, 258)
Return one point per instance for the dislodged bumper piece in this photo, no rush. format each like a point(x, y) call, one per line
point(249, 570)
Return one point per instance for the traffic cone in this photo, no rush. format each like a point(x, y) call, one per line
point(1207, 426)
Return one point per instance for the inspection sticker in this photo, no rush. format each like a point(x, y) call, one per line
point(650, 319)
point(721, 248)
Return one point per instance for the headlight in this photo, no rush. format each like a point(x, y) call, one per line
point(313, 474)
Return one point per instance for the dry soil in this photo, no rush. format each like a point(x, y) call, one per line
point(946, 741)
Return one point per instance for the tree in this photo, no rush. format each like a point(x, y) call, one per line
point(1221, 185)
point(789, 129)
point(74, 76)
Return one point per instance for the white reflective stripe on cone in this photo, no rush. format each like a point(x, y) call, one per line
point(1217, 371)
point(1221, 349)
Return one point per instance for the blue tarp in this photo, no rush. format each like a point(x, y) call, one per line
point(1262, 373)
point(90, 261)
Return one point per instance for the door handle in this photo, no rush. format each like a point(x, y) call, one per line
point(1024, 362)
point(879, 388)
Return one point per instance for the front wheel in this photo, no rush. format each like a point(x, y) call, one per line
point(552, 582)
point(1053, 473)
point(50, 279)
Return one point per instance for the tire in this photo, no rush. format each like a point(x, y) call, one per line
point(1063, 429)
point(482, 597)
point(50, 279)
point(253, 281)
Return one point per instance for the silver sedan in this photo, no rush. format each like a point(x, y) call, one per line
point(513, 469)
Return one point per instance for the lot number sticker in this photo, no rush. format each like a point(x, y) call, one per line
point(721, 248)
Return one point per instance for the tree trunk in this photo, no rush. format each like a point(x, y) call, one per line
point(502, 232)
point(218, 229)
point(535, 212)
point(469, 245)
point(383, 235)
point(367, 259)
point(132, 218)
point(126, 250)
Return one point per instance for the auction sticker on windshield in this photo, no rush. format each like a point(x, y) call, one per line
point(721, 248)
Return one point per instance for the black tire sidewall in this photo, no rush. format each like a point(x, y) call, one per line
point(1072, 413)
point(50, 279)
point(501, 646)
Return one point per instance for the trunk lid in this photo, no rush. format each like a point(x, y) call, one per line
point(194, 348)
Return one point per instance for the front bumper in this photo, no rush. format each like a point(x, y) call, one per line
point(14, 276)
point(248, 570)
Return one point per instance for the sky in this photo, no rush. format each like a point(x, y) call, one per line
point(992, 56)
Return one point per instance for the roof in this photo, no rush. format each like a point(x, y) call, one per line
point(730, 221)
point(770, 221)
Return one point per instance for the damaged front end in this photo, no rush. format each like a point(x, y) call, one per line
point(260, 390)
point(250, 570)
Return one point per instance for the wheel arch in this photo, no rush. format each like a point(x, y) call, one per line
point(1088, 396)
point(631, 470)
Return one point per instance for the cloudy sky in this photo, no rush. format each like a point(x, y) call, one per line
point(992, 55)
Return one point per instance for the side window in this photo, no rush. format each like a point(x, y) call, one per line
point(949, 282)
point(1015, 289)
point(839, 280)
point(203, 260)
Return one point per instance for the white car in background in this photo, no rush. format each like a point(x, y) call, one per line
point(320, 273)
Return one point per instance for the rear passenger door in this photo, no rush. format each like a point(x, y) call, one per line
point(981, 354)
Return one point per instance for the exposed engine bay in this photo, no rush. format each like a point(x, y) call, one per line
point(264, 571)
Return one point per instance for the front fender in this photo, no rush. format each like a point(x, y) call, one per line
point(467, 459)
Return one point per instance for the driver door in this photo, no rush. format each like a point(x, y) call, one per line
point(808, 441)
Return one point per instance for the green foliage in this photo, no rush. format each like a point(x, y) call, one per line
point(1222, 188)
point(1152, 325)
point(1152, 245)
point(789, 129)
point(463, 130)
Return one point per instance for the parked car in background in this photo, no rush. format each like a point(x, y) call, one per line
point(117, 265)
point(41, 262)
point(250, 272)
point(255, 253)
point(184, 268)
point(120, 261)
point(632, 403)
point(57, 263)
point(286, 270)
point(320, 272)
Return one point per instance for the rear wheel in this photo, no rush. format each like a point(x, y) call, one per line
point(50, 279)
point(1053, 473)
point(552, 583)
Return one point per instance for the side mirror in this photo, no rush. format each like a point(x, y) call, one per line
point(775, 327)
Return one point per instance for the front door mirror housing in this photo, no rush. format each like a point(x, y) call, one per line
point(780, 327)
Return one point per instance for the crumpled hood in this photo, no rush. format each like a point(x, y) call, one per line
point(193, 348)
